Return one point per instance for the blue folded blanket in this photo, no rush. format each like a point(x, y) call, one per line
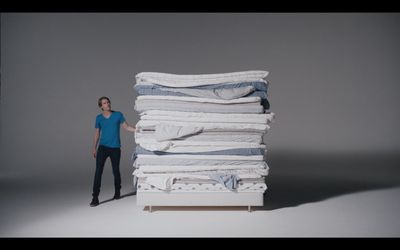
point(228, 180)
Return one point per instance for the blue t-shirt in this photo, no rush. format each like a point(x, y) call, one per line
point(109, 129)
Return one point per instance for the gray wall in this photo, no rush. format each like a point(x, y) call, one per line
point(334, 78)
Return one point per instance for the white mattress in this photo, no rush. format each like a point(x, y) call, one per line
point(192, 80)
point(195, 187)
point(192, 126)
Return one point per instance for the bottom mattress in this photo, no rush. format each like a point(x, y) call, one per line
point(195, 187)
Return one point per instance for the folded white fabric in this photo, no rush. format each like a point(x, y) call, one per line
point(165, 132)
point(173, 168)
point(258, 171)
point(181, 81)
point(206, 117)
point(176, 147)
point(161, 182)
point(202, 157)
point(188, 143)
point(172, 129)
point(205, 137)
point(191, 162)
point(174, 105)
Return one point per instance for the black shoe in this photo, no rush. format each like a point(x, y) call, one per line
point(117, 196)
point(95, 202)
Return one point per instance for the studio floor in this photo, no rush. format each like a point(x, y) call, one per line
point(360, 201)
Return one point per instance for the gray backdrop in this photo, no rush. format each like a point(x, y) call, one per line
point(334, 81)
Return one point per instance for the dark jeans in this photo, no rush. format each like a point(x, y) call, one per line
point(102, 153)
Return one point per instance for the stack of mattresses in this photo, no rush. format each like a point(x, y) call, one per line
point(200, 139)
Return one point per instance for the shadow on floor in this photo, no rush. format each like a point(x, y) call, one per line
point(122, 196)
point(295, 179)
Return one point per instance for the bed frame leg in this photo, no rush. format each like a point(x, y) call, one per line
point(249, 209)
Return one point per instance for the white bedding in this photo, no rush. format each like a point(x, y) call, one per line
point(175, 168)
point(192, 80)
point(231, 138)
point(242, 173)
point(254, 99)
point(203, 126)
point(181, 143)
point(206, 117)
point(193, 146)
point(140, 161)
point(203, 157)
point(173, 105)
